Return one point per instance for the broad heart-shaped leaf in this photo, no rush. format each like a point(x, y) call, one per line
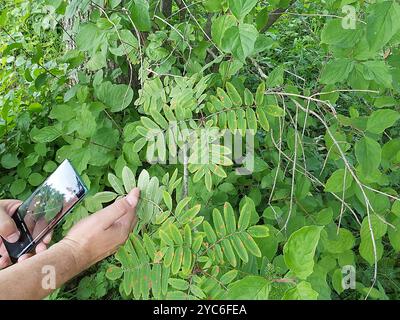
point(368, 154)
point(219, 26)
point(383, 23)
point(90, 37)
point(336, 71)
point(249, 288)
point(240, 8)
point(367, 250)
point(303, 291)
point(380, 120)
point(377, 71)
point(338, 181)
point(299, 250)
point(338, 243)
point(116, 96)
point(240, 40)
point(140, 14)
point(334, 34)
point(378, 227)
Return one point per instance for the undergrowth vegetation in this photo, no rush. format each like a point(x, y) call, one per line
point(312, 211)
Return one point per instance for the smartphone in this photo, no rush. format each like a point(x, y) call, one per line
point(45, 208)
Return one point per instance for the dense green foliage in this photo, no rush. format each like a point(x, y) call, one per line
point(319, 87)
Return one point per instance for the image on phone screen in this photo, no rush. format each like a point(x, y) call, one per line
point(46, 207)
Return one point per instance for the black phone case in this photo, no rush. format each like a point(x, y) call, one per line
point(24, 244)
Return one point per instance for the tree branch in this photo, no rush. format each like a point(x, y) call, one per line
point(275, 15)
point(166, 8)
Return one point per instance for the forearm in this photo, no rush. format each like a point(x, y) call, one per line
point(37, 277)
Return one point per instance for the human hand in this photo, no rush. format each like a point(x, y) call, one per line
point(100, 234)
point(10, 232)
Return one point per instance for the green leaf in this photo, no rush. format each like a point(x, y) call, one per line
point(230, 219)
point(116, 96)
point(240, 40)
point(46, 134)
point(167, 199)
point(338, 243)
point(337, 281)
point(105, 196)
point(177, 261)
point(367, 251)
point(239, 247)
point(35, 179)
point(219, 223)
point(228, 251)
point(9, 160)
point(303, 291)
point(260, 94)
point(178, 284)
point(382, 119)
point(176, 235)
point(250, 244)
point(251, 120)
point(337, 181)
point(378, 226)
point(219, 26)
point(211, 236)
point(17, 187)
point(197, 291)
point(249, 288)
point(336, 71)
point(275, 111)
point(114, 273)
point(258, 231)
point(240, 8)
point(244, 218)
point(229, 277)
point(234, 94)
point(166, 238)
point(383, 23)
point(140, 15)
point(275, 78)
point(334, 34)
point(299, 250)
point(394, 235)
point(248, 97)
point(262, 118)
point(379, 72)
point(89, 37)
point(128, 178)
point(368, 153)
point(116, 184)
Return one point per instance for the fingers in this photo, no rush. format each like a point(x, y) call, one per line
point(10, 206)
point(8, 229)
point(46, 240)
point(4, 259)
point(125, 206)
point(24, 257)
point(4, 262)
point(127, 222)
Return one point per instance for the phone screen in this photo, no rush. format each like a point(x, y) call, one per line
point(51, 201)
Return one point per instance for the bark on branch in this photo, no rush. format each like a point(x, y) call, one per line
point(275, 15)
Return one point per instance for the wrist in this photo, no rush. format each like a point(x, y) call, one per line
point(76, 253)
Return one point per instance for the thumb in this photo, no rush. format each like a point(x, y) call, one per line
point(119, 208)
point(8, 229)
